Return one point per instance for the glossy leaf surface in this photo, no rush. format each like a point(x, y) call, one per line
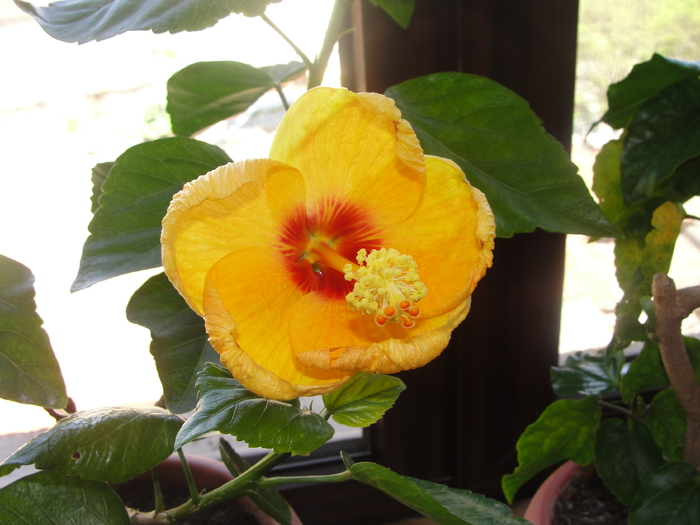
point(179, 341)
point(669, 496)
point(106, 444)
point(125, 230)
point(625, 454)
point(29, 371)
point(587, 374)
point(565, 430)
point(493, 135)
point(53, 498)
point(226, 406)
point(364, 399)
point(85, 20)
point(439, 503)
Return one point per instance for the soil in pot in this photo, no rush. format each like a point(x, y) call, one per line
point(585, 500)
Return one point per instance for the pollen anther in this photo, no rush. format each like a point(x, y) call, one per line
point(387, 286)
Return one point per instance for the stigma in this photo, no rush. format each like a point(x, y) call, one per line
point(387, 286)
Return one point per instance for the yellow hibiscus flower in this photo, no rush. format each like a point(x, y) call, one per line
point(347, 250)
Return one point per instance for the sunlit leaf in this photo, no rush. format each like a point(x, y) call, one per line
point(400, 10)
point(587, 374)
point(85, 20)
point(364, 399)
point(179, 344)
point(106, 444)
point(500, 145)
point(29, 371)
point(125, 230)
point(226, 406)
point(53, 498)
point(625, 453)
point(644, 81)
point(566, 430)
point(437, 502)
point(99, 175)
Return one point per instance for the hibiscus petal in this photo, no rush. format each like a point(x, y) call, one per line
point(235, 205)
point(352, 148)
point(249, 301)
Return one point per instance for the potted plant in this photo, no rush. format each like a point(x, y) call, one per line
point(635, 419)
point(348, 255)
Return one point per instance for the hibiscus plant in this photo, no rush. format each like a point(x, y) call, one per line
point(350, 253)
point(637, 420)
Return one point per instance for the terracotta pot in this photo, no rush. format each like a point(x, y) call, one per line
point(540, 511)
point(208, 474)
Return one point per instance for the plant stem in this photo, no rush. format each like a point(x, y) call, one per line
point(318, 69)
point(157, 492)
point(285, 480)
point(194, 493)
point(296, 49)
point(672, 306)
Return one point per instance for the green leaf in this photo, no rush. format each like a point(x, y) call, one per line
point(281, 73)
point(498, 141)
point(644, 81)
point(85, 20)
point(565, 430)
point(106, 444)
point(667, 423)
point(625, 453)
point(587, 374)
point(226, 406)
point(125, 231)
point(29, 371)
point(439, 503)
point(400, 10)
point(664, 134)
point(99, 175)
point(52, 498)
point(364, 399)
point(180, 344)
point(267, 499)
point(669, 496)
point(205, 93)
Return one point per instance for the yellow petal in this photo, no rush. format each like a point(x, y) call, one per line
point(352, 148)
point(249, 300)
point(233, 206)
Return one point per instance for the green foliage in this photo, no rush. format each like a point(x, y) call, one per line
point(439, 503)
point(500, 145)
point(625, 454)
point(53, 498)
point(565, 430)
point(668, 496)
point(400, 10)
point(180, 344)
point(587, 374)
point(29, 371)
point(85, 444)
point(125, 230)
point(85, 20)
point(226, 406)
point(205, 93)
point(666, 421)
point(364, 399)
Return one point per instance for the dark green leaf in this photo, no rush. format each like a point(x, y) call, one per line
point(106, 444)
point(29, 371)
point(226, 406)
point(644, 81)
point(180, 344)
point(667, 423)
point(52, 498)
point(669, 496)
point(400, 10)
point(625, 453)
point(364, 399)
point(646, 371)
point(587, 374)
point(440, 503)
point(125, 231)
point(565, 430)
point(500, 145)
point(205, 93)
point(99, 175)
point(85, 20)
point(664, 134)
